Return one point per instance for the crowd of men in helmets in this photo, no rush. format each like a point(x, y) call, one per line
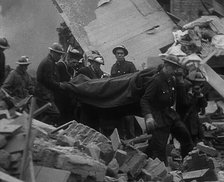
point(168, 87)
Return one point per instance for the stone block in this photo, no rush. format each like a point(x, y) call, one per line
point(156, 168)
point(207, 150)
point(3, 141)
point(134, 162)
point(120, 155)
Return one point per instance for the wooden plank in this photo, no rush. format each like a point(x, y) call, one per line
point(45, 174)
point(7, 178)
point(194, 174)
point(213, 78)
point(9, 129)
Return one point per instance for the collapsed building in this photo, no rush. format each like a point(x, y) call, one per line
point(78, 152)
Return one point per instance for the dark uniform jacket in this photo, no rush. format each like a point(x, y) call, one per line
point(188, 107)
point(159, 97)
point(2, 67)
point(47, 79)
point(19, 84)
point(89, 72)
point(122, 67)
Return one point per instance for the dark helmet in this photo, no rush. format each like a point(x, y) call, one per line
point(4, 43)
point(56, 47)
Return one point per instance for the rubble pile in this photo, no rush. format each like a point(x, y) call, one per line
point(12, 143)
point(198, 40)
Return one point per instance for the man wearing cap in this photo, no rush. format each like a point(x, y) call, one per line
point(157, 108)
point(75, 61)
point(47, 83)
point(190, 102)
point(93, 71)
point(3, 46)
point(121, 66)
point(19, 83)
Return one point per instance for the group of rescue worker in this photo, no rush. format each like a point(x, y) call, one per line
point(170, 103)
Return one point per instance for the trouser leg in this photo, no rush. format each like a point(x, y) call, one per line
point(180, 132)
point(157, 144)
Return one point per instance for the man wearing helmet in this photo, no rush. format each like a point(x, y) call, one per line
point(3, 46)
point(93, 71)
point(19, 83)
point(157, 107)
point(47, 83)
point(121, 66)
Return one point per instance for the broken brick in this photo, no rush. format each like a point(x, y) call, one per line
point(134, 163)
point(81, 165)
point(206, 149)
point(156, 168)
point(120, 155)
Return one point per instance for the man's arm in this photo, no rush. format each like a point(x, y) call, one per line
point(9, 83)
point(132, 68)
point(148, 97)
point(48, 78)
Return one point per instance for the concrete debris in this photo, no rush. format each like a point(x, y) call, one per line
point(120, 156)
point(134, 162)
point(84, 134)
point(206, 149)
point(197, 161)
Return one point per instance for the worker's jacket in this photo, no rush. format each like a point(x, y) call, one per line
point(122, 67)
point(47, 79)
point(19, 84)
point(159, 98)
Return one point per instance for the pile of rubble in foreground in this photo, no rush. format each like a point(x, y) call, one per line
point(80, 153)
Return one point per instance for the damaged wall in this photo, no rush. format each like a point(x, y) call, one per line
point(116, 22)
point(30, 27)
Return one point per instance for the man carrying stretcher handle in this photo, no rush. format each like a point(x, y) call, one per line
point(158, 99)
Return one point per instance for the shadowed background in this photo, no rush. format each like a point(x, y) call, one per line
point(30, 27)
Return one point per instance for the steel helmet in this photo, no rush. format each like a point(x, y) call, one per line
point(4, 43)
point(56, 47)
